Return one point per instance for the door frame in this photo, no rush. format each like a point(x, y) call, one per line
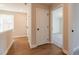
point(59, 45)
point(58, 6)
point(65, 26)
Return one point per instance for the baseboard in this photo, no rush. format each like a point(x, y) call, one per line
point(33, 46)
point(65, 51)
point(8, 48)
point(19, 36)
point(57, 44)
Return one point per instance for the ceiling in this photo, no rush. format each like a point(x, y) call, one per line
point(16, 7)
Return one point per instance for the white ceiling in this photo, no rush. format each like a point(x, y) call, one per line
point(15, 7)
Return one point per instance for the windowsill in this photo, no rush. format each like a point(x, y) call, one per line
point(5, 31)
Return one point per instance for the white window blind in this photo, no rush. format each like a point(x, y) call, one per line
point(6, 22)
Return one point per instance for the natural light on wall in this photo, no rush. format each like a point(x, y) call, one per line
point(58, 20)
point(6, 22)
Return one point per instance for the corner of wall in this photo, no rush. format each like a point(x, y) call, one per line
point(65, 51)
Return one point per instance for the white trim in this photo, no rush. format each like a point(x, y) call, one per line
point(57, 44)
point(8, 48)
point(33, 46)
point(65, 51)
point(19, 36)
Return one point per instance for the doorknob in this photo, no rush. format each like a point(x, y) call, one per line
point(72, 30)
point(38, 29)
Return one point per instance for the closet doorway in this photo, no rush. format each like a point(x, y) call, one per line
point(57, 26)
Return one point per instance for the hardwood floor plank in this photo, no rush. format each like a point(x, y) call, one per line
point(21, 47)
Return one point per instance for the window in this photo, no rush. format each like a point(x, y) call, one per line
point(6, 22)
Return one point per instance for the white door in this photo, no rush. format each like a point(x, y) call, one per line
point(42, 26)
point(74, 41)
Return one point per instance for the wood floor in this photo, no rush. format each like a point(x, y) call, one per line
point(21, 47)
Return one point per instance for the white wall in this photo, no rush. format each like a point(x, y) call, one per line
point(20, 25)
point(74, 36)
point(29, 23)
point(5, 41)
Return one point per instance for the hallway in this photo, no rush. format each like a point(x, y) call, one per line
point(21, 47)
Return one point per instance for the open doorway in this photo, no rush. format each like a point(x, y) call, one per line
point(57, 26)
